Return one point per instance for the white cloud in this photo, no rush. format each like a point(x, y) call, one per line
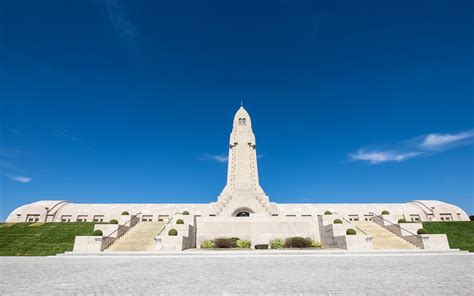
point(422, 145)
point(217, 157)
point(118, 16)
point(21, 179)
point(8, 152)
point(440, 141)
point(64, 134)
point(375, 157)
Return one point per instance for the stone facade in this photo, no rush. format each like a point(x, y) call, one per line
point(242, 209)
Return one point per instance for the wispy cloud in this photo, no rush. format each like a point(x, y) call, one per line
point(64, 134)
point(8, 152)
point(442, 141)
point(375, 157)
point(422, 145)
point(120, 21)
point(222, 158)
point(20, 179)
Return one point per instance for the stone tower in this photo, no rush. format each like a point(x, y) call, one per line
point(243, 195)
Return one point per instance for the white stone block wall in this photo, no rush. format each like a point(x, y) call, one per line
point(259, 230)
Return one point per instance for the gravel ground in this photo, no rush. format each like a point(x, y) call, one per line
point(401, 274)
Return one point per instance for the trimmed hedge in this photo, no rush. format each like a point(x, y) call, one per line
point(185, 213)
point(125, 213)
point(208, 244)
point(337, 221)
point(98, 232)
point(328, 213)
point(298, 242)
point(422, 231)
point(179, 221)
point(351, 231)
point(243, 244)
point(385, 212)
point(315, 244)
point(113, 221)
point(173, 232)
point(402, 221)
point(277, 243)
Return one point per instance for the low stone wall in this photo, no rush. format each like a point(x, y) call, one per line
point(429, 241)
point(353, 242)
point(259, 230)
point(91, 244)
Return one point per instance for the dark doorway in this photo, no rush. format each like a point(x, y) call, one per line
point(243, 214)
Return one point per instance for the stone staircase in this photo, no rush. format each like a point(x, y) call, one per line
point(383, 239)
point(140, 238)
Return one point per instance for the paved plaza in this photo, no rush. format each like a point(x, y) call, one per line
point(237, 273)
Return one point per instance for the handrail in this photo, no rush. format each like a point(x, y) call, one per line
point(380, 216)
point(123, 225)
point(169, 221)
point(351, 223)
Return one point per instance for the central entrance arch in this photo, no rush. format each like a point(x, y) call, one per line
point(242, 212)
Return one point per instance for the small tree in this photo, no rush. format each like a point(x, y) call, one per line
point(185, 213)
point(113, 221)
point(337, 221)
point(179, 221)
point(385, 212)
point(328, 213)
point(125, 213)
point(173, 232)
point(351, 231)
point(98, 232)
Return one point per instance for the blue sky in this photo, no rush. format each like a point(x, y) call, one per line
point(132, 101)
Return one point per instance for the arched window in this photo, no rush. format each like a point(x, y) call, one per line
point(240, 121)
point(244, 121)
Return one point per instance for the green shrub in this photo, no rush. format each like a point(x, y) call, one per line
point(208, 244)
point(422, 231)
point(243, 244)
point(297, 242)
point(98, 232)
point(125, 213)
point(226, 243)
point(277, 243)
point(328, 213)
point(233, 241)
point(179, 221)
point(337, 221)
point(113, 221)
point(351, 231)
point(185, 213)
point(261, 246)
point(402, 221)
point(173, 232)
point(315, 244)
point(385, 212)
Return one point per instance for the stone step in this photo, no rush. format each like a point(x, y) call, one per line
point(383, 239)
point(139, 238)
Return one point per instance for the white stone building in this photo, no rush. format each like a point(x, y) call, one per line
point(242, 209)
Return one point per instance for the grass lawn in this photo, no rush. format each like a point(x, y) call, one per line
point(40, 239)
point(460, 234)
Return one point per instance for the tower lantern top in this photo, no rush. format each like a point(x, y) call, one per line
point(242, 119)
